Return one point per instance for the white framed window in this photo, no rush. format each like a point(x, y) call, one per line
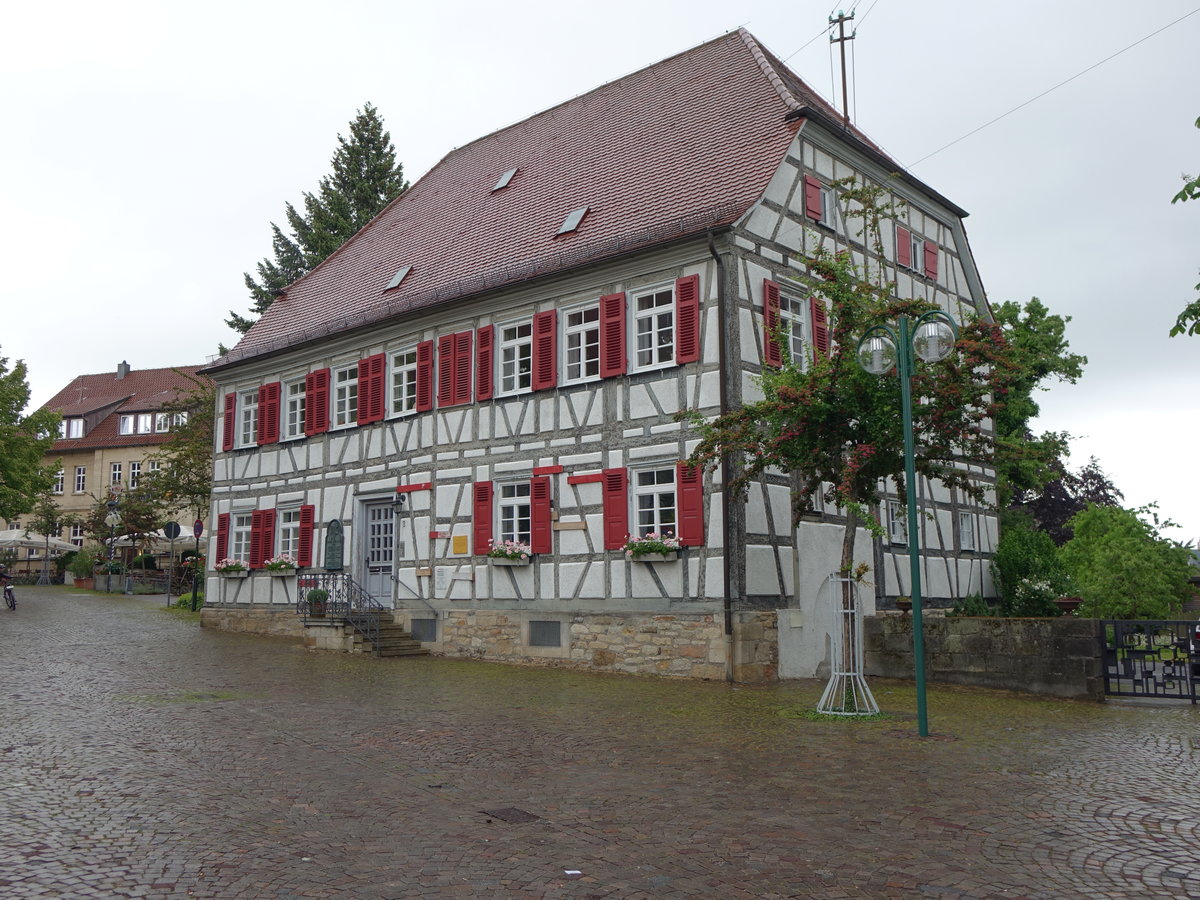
point(654, 328)
point(403, 385)
point(516, 512)
point(248, 418)
point(145, 423)
point(289, 532)
point(654, 503)
point(135, 473)
point(115, 473)
point(72, 428)
point(125, 425)
point(162, 422)
point(966, 531)
point(516, 357)
point(829, 212)
point(581, 343)
point(345, 396)
point(77, 535)
point(179, 419)
point(155, 465)
point(80, 479)
point(239, 537)
point(60, 480)
point(897, 523)
point(793, 322)
point(293, 409)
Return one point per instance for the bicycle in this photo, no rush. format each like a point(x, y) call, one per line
point(10, 598)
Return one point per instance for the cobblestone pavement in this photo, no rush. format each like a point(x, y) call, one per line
point(141, 756)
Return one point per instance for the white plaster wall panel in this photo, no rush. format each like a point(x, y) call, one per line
point(581, 461)
point(743, 243)
point(710, 340)
point(570, 543)
point(642, 579)
point(842, 170)
point(751, 392)
point(714, 526)
point(763, 223)
point(570, 579)
point(651, 452)
point(774, 255)
point(508, 582)
point(781, 508)
point(709, 393)
point(762, 571)
point(823, 163)
point(782, 183)
point(755, 511)
point(750, 327)
point(617, 577)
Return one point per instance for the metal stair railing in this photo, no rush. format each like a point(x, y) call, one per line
point(347, 600)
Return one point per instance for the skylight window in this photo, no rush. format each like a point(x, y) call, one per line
point(398, 277)
point(505, 179)
point(572, 221)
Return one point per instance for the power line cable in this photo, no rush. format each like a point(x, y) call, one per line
point(1050, 90)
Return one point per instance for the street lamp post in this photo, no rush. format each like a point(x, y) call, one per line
point(931, 338)
point(112, 520)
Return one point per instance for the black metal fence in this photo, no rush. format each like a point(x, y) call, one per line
point(337, 598)
point(1150, 659)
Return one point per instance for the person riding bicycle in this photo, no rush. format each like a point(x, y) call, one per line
point(10, 599)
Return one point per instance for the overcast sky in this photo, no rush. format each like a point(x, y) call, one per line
point(149, 145)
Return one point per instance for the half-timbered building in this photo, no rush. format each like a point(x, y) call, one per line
point(500, 357)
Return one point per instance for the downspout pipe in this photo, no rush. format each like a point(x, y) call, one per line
point(723, 381)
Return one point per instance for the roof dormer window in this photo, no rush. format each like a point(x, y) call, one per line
point(572, 221)
point(70, 428)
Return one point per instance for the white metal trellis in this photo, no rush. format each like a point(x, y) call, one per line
point(847, 693)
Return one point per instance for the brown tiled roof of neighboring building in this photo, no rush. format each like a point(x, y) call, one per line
point(145, 390)
point(684, 145)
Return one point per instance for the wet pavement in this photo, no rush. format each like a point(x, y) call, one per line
point(141, 756)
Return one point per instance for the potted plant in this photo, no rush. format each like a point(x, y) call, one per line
point(652, 547)
point(82, 568)
point(280, 565)
point(509, 553)
point(232, 568)
point(316, 599)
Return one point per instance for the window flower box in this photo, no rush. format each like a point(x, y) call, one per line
point(502, 561)
point(232, 568)
point(656, 557)
point(652, 547)
point(234, 573)
point(509, 553)
point(280, 565)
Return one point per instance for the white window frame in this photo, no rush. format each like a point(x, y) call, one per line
point(402, 382)
point(514, 357)
point(145, 423)
point(162, 422)
point(344, 397)
point(135, 473)
point(125, 425)
point(655, 497)
point(897, 524)
point(77, 535)
point(247, 435)
point(80, 479)
point(295, 393)
point(239, 536)
point(179, 419)
point(829, 210)
point(653, 322)
point(967, 538)
point(289, 531)
point(581, 340)
point(60, 481)
point(155, 465)
point(114, 473)
point(74, 428)
point(514, 512)
point(793, 322)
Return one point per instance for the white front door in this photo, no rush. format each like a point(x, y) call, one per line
point(379, 549)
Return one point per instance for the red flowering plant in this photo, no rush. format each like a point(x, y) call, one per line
point(516, 550)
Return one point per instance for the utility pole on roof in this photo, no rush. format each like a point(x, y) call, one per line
point(841, 39)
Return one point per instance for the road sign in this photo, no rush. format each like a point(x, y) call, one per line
point(171, 530)
point(197, 528)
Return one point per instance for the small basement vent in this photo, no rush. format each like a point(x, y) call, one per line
point(572, 221)
point(505, 179)
point(424, 630)
point(545, 634)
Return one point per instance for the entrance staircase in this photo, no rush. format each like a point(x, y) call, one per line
point(393, 640)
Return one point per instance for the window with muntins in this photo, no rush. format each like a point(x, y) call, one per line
point(289, 532)
point(897, 523)
point(516, 519)
point(77, 535)
point(125, 425)
point(345, 396)
point(516, 358)
point(248, 430)
point(293, 418)
point(654, 328)
point(239, 536)
point(162, 422)
point(581, 344)
point(80, 479)
point(966, 531)
point(793, 325)
point(135, 473)
point(179, 419)
point(115, 474)
point(403, 398)
point(654, 501)
point(145, 423)
point(60, 480)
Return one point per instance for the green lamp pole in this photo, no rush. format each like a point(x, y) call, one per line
point(931, 338)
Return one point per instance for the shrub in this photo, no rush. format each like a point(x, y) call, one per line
point(145, 561)
point(1029, 573)
point(83, 562)
point(972, 605)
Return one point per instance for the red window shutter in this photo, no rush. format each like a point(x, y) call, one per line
point(904, 247)
point(370, 388)
point(316, 402)
point(820, 326)
point(687, 319)
point(813, 207)
point(931, 256)
point(545, 349)
point(612, 335)
point(615, 489)
point(424, 376)
point(481, 502)
point(308, 521)
point(222, 536)
point(268, 532)
point(772, 352)
point(485, 362)
point(541, 537)
point(689, 487)
point(462, 367)
point(229, 421)
point(268, 413)
point(256, 539)
point(445, 367)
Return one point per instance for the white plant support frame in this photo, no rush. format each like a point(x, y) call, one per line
point(847, 693)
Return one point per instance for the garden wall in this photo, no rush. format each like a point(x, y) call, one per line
point(1058, 657)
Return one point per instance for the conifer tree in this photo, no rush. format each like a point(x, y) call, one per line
point(365, 178)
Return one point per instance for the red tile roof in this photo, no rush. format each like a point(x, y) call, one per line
point(145, 390)
point(683, 145)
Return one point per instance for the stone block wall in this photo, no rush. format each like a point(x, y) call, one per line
point(1057, 657)
point(253, 620)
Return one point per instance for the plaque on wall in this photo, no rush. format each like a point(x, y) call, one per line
point(333, 546)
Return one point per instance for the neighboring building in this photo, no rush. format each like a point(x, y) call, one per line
point(111, 424)
point(500, 355)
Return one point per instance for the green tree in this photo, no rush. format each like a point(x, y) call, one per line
point(831, 423)
point(49, 520)
point(1122, 568)
point(184, 478)
point(1189, 320)
point(1028, 572)
point(1065, 495)
point(24, 442)
point(365, 179)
